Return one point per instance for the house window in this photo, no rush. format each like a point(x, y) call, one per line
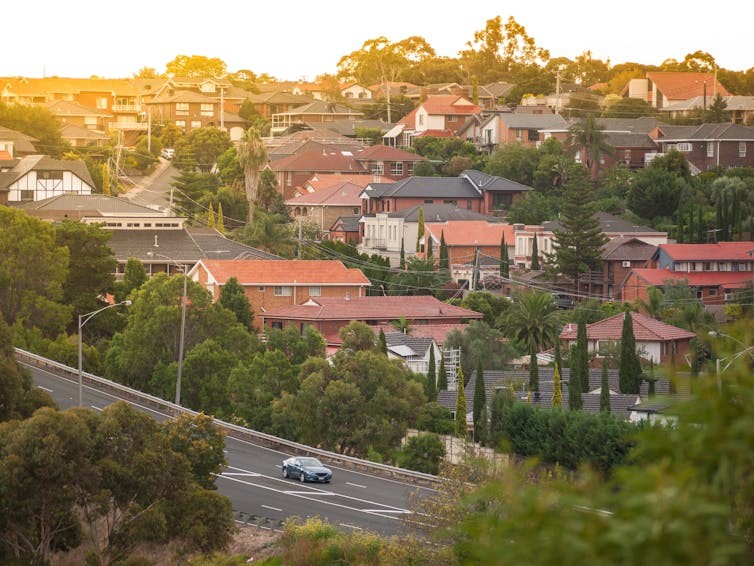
point(196, 124)
point(396, 169)
point(450, 201)
point(283, 291)
point(180, 124)
point(710, 149)
point(421, 119)
point(27, 195)
point(533, 135)
point(261, 289)
point(685, 146)
point(713, 292)
point(411, 168)
point(519, 134)
point(741, 149)
point(378, 168)
point(49, 175)
point(181, 108)
point(356, 210)
point(208, 110)
point(101, 103)
point(277, 325)
point(315, 291)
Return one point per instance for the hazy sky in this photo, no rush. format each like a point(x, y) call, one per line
point(294, 39)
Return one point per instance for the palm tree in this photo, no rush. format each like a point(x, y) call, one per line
point(252, 155)
point(270, 233)
point(532, 319)
point(586, 137)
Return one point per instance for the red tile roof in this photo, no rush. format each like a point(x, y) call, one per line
point(329, 161)
point(342, 194)
point(471, 232)
point(284, 272)
point(449, 105)
point(727, 279)
point(735, 251)
point(422, 307)
point(646, 329)
point(322, 180)
point(682, 85)
point(382, 152)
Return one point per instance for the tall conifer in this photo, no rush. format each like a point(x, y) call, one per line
point(460, 406)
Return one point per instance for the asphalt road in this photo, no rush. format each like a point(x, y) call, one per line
point(154, 191)
point(261, 496)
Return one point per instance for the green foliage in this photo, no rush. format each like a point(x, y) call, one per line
point(629, 108)
point(534, 254)
point(434, 417)
point(504, 260)
point(629, 371)
point(272, 233)
point(604, 390)
point(431, 387)
point(654, 192)
point(490, 305)
point(200, 148)
point(198, 66)
point(557, 388)
point(422, 453)
point(134, 276)
point(515, 162)
point(532, 320)
point(479, 341)
point(425, 169)
point(233, 298)
point(443, 265)
point(418, 278)
point(192, 188)
point(442, 376)
point(534, 208)
point(295, 345)
point(461, 428)
point(203, 444)
point(38, 122)
point(480, 397)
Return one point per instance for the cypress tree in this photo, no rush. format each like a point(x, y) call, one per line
point(220, 219)
point(604, 390)
point(443, 252)
point(629, 371)
point(556, 347)
point(211, 217)
point(460, 406)
point(504, 267)
point(428, 246)
point(431, 389)
point(420, 231)
point(651, 380)
point(383, 342)
point(480, 396)
point(533, 370)
point(557, 391)
point(402, 262)
point(583, 358)
point(574, 382)
point(442, 376)
point(535, 255)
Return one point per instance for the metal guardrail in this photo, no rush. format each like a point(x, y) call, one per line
point(232, 430)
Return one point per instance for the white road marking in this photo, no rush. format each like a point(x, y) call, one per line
point(44, 389)
point(96, 408)
point(273, 508)
point(399, 511)
point(356, 485)
point(246, 474)
point(351, 526)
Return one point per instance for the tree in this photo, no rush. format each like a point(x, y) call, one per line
point(420, 231)
point(480, 398)
point(654, 192)
point(717, 111)
point(588, 138)
point(38, 122)
point(629, 108)
point(443, 253)
point(604, 390)
point(582, 359)
point(442, 376)
point(532, 320)
point(429, 246)
point(383, 342)
point(504, 267)
point(233, 298)
point(252, 156)
point(480, 341)
point(203, 444)
point(422, 453)
point(197, 66)
point(402, 261)
point(431, 389)
point(268, 194)
point(533, 371)
point(534, 254)
point(200, 148)
point(629, 371)
point(578, 243)
point(557, 389)
point(461, 428)
point(269, 232)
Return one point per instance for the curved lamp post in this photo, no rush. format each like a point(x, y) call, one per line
point(746, 350)
point(184, 300)
point(83, 319)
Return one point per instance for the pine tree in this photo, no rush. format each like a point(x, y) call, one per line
point(574, 382)
point(604, 390)
point(383, 342)
point(431, 389)
point(402, 262)
point(460, 406)
point(444, 265)
point(442, 376)
point(504, 268)
point(480, 396)
point(557, 390)
point(211, 217)
point(583, 356)
point(420, 231)
point(533, 370)
point(535, 254)
point(220, 219)
point(629, 371)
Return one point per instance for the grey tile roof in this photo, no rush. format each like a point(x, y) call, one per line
point(628, 139)
point(102, 204)
point(347, 223)
point(641, 125)
point(418, 345)
point(707, 132)
point(535, 121)
point(439, 213)
point(493, 183)
point(425, 187)
point(610, 223)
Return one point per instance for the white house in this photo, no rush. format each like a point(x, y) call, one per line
point(38, 177)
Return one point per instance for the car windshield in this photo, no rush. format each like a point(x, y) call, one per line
point(309, 462)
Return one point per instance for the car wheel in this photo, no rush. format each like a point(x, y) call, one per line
point(302, 476)
point(285, 471)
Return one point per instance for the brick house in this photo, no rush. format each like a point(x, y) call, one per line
point(324, 206)
point(317, 111)
point(329, 314)
point(440, 115)
point(529, 130)
point(382, 160)
point(712, 288)
point(660, 88)
point(655, 340)
point(620, 256)
point(294, 171)
point(275, 284)
point(709, 146)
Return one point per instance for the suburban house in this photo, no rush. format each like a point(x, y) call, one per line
point(620, 256)
point(293, 171)
point(488, 96)
point(472, 190)
point(324, 206)
point(413, 350)
point(73, 113)
point(710, 146)
point(716, 271)
point(320, 139)
point(37, 177)
point(345, 229)
point(274, 284)
point(108, 211)
point(655, 341)
point(439, 115)
point(382, 160)
point(661, 88)
point(15, 144)
point(316, 111)
point(529, 130)
point(328, 314)
point(83, 137)
point(277, 101)
point(740, 108)
point(385, 232)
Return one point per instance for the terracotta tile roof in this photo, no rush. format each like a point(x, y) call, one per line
point(344, 193)
point(449, 104)
point(732, 251)
point(386, 308)
point(470, 232)
point(5, 155)
point(646, 329)
point(725, 279)
point(324, 180)
point(285, 272)
point(382, 152)
point(327, 161)
point(682, 85)
point(435, 134)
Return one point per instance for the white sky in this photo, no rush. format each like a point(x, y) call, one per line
point(294, 39)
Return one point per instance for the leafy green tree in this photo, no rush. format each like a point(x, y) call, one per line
point(383, 342)
point(532, 320)
point(490, 305)
point(604, 390)
point(33, 272)
point(654, 192)
point(480, 341)
point(197, 66)
point(435, 417)
point(425, 169)
point(431, 389)
point(578, 242)
point(268, 193)
point(296, 346)
point(200, 148)
point(134, 276)
point(557, 389)
point(193, 189)
point(270, 232)
point(38, 122)
point(233, 298)
point(480, 398)
point(402, 261)
point(534, 208)
point(582, 359)
point(717, 111)
point(515, 162)
point(533, 371)
point(443, 253)
point(504, 261)
point(420, 231)
point(252, 156)
point(422, 453)
point(461, 427)
point(419, 278)
point(629, 371)
point(629, 108)
point(203, 444)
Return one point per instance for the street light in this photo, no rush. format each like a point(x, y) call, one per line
point(746, 350)
point(83, 319)
point(184, 300)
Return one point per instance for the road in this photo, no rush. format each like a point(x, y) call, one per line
point(154, 191)
point(261, 496)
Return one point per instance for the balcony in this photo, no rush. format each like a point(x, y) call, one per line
point(127, 108)
point(140, 126)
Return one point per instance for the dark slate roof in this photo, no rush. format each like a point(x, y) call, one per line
point(493, 183)
point(628, 139)
point(535, 121)
point(637, 125)
point(469, 184)
point(625, 248)
point(189, 245)
point(440, 213)
point(418, 345)
point(105, 205)
point(707, 132)
point(45, 163)
point(348, 127)
point(610, 224)
point(346, 224)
